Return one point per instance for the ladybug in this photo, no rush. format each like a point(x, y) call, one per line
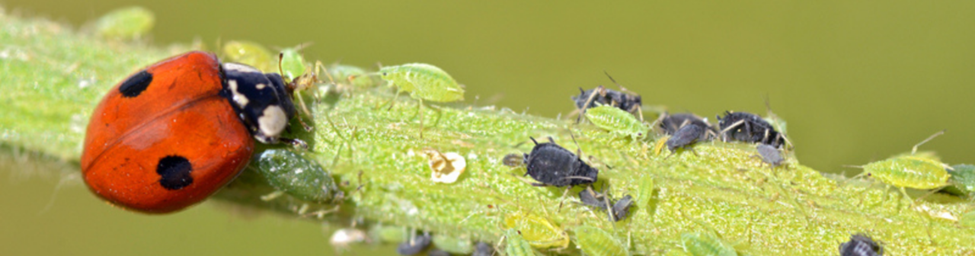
point(175, 132)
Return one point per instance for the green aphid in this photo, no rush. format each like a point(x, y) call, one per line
point(617, 121)
point(453, 244)
point(704, 244)
point(539, 232)
point(644, 191)
point(423, 82)
point(597, 242)
point(250, 53)
point(967, 219)
point(516, 245)
point(351, 75)
point(125, 23)
point(291, 63)
point(294, 175)
point(917, 171)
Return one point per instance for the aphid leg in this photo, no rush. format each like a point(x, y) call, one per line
point(723, 136)
point(914, 150)
point(562, 199)
point(272, 195)
point(588, 101)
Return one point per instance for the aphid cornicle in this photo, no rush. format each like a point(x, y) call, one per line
point(770, 155)
point(553, 165)
point(597, 242)
point(629, 102)
point(915, 171)
point(748, 127)
point(617, 121)
point(861, 245)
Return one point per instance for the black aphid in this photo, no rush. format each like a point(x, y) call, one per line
point(483, 249)
point(592, 199)
point(621, 209)
point(748, 127)
point(415, 245)
point(669, 124)
point(770, 155)
point(629, 102)
point(513, 160)
point(684, 136)
point(861, 245)
point(553, 165)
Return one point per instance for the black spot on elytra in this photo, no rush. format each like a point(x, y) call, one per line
point(135, 84)
point(174, 172)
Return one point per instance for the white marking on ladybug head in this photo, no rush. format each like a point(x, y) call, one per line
point(260, 86)
point(238, 97)
point(272, 121)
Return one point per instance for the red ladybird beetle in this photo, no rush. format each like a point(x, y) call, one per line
point(175, 132)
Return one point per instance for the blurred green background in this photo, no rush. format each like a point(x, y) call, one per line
point(857, 81)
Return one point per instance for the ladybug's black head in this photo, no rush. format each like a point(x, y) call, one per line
point(260, 99)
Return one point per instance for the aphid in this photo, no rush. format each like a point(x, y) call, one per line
point(597, 242)
point(125, 23)
point(861, 245)
point(296, 176)
point(621, 209)
point(291, 63)
point(453, 244)
point(748, 127)
point(644, 191)
point(770, 155)
point(553, 165)
point(446, 167)
point(910, 171)
point(513, 160)
point(414, 246)
point(701, 244)
point(389, 234)
point(669, 124)
point(623, 99)
point(684, 136)
point(617, 121)
point(485, 249)
point(351, 75)
point(423, 82)
point(249, 53)
point(538, 231)
point(589, 198)
point(516, 245)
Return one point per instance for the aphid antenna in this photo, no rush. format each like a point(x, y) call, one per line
point(773, 116)
point(623, 89)
point(578, 148)
point(732, 126)
point(939, 133)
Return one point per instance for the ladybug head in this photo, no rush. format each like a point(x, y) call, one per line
point(261, 100)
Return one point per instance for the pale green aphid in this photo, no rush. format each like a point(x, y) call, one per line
point(453, 244)
point(963, 179)
point(704, 244)
point(515, 244)
point(294, 175)
point(423, 82)
point(597, 242)
point(644, 191)
point(291, 63)
point(250, 53)
point(389, 234)
point(917, 171)
point(538, 231)
point(617, 121)
point(125, 23)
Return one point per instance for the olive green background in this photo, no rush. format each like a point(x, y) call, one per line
point(856, 81)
